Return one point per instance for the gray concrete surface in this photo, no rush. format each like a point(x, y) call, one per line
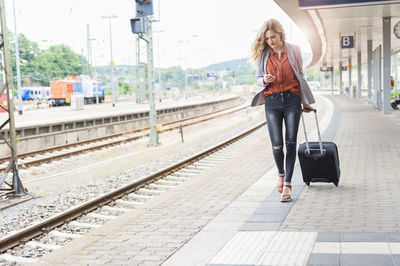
point(201, 221)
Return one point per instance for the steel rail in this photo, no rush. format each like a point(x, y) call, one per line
point(84, 142)
point(57, 220)
point(115, 142)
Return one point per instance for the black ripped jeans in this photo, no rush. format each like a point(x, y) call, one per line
point(279, 107)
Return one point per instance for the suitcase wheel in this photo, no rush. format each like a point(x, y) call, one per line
point(336, 183)
point(308, 184)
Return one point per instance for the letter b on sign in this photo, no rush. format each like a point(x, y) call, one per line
point(347, 42)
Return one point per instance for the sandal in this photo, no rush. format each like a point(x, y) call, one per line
point(286, 196)
point(279, 184)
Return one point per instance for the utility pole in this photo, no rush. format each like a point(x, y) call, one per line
point(16, 187)
point(90, 63)
point(82, 65)
point(159, 64)
point(142, 26)
point(89, 51)
point(153, 120)
point(17, 65)
point(111, 60)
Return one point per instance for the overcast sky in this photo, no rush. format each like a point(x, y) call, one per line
point(191, 33)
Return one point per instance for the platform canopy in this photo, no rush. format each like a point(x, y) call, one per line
point(324, 23)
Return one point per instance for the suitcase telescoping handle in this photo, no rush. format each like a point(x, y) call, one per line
point(305, 132)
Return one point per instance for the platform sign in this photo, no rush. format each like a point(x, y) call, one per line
point(317, 4)
point(347, 42)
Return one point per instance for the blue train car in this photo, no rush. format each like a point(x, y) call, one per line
point(35, 93)
point(91, 89)
point(26, 95)
point(98, 91)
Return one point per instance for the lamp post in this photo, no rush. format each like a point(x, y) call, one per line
point(92, 63)
point(159, 62)
point(181, 65)
point(111, 60)
point(17, 63)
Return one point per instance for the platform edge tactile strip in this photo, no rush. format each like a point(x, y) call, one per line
point(244, 248)
point(288, 248)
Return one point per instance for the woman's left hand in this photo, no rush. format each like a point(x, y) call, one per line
point(307, 108)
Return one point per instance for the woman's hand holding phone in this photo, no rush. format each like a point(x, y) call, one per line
point(268, 78)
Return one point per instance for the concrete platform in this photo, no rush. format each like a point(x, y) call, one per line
point(231, 215)
point(90, 111)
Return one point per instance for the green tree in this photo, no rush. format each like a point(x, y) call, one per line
point(126, 88)
point(174, 77)
point(42, 66)
point(57, 62)
point(28, 51)
point(123, 87)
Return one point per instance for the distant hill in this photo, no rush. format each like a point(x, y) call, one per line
point(174, 76)
point(229, 65)
point(225, 65)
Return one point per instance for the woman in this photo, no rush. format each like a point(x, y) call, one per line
point(284, 89)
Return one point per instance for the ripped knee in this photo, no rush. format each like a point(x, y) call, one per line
point(291, 144)
point(277, 147)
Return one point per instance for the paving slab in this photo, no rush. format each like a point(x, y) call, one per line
point(209, 222)
point(270, 202)
point(353, 224)
point(176, 216)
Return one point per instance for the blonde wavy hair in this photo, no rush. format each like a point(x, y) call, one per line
point(260, 42)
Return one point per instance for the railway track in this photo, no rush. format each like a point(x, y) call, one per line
point(29, 244)
point(47, 155)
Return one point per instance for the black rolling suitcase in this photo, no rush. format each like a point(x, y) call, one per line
point(319, 161)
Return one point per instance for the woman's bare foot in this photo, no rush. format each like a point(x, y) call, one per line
point(287, 190)
point(279, 184)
